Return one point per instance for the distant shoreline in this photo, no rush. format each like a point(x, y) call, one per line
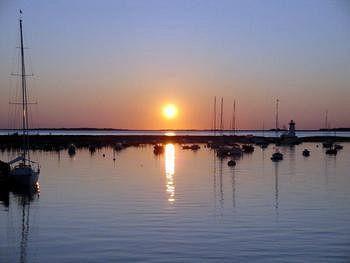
point(175, 130)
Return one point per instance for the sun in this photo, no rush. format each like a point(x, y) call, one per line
point(170, 111)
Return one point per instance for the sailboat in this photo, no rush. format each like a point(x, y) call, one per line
point(24, 171)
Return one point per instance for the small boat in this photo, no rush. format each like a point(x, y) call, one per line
point(231, 163)
point(225, 151)
point(327, 144)
point(158, 149)
point(72, 150)
point(338, 147)
point(248, 148)
point(332, 151)
point(193, 147)
point(118, 147)
point(264, 145)
point(277, 156)
point(306, 153)
point(25, 173)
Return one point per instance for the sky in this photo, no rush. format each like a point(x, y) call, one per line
point(117, 63)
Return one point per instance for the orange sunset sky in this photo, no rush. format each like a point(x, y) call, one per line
point(117, 63)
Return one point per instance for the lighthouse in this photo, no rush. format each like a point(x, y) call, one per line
point(291, 131)
point(289, 137)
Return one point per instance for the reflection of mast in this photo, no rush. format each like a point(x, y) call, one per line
point(23, 197)
point(276, 186)
point(221, 184)
point(233, 188)
point(214, 178)
point(25, 230)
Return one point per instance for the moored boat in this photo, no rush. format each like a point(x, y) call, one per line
point(277, 156)
point(248, 148)
point(306, 153)
point(226, 151)
point(338, 146)
point(327, 144)
point(72, 150)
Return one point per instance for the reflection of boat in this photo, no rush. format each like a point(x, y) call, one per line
point(276, 188)
point(248, 148)
point(23, 170)
point(332, 151)
point(72, 149)
point(158, 149)
point(4, 172)
point(92, 149)
point(277, 156)
point(19, 198)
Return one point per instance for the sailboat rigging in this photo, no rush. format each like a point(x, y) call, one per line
point(23, 170)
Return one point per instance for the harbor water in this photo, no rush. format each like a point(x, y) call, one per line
point(180, 206)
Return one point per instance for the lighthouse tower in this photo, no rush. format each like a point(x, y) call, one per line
point(291, 131)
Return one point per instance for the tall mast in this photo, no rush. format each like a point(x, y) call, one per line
point(326, 120)
point(214, 119)
point(24, 95)
point(263, 128)
point(221, 115)
point(277, 101)
point(234, 117)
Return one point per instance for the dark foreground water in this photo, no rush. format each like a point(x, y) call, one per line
point(182, 206)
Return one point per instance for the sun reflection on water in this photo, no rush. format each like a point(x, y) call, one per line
point(170, 171)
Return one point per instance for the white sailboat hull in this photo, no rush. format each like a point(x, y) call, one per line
point(25, 176)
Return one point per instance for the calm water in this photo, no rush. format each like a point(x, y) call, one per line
point(181, 206)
